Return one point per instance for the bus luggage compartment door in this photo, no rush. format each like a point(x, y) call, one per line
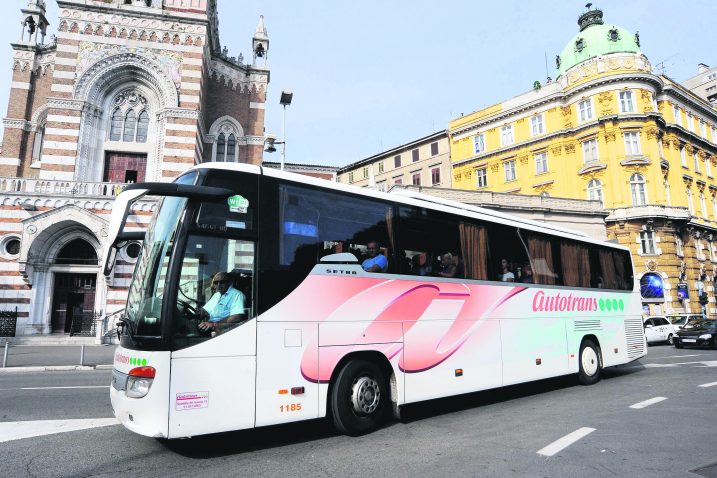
point(287, 386)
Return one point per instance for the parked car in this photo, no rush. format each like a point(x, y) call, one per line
point(658, 329)
point(697, 332)
point(679, 320)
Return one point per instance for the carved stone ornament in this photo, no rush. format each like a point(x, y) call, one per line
point(651, 265)
point(609, 136)
point(131, 97)
point(17, 124)
point(91, 53)
point(556, 150)
point(494, 167)
point(570, 148)
point(592, 167)
point(647, 105)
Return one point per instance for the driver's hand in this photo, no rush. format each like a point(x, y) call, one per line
point(205, 326)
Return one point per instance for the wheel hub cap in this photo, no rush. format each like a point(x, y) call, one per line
point(590, 361)
point(365, 395)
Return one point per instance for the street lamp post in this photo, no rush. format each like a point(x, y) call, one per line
point(286, 97)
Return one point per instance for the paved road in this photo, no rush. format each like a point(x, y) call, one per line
point(669, 431)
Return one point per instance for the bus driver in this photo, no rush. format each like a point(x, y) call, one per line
point(226, 305)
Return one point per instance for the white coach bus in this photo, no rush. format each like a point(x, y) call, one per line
point(466, 299)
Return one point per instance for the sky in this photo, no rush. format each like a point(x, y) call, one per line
point(371, 75)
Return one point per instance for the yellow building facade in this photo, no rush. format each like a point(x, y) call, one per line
point(608, 128)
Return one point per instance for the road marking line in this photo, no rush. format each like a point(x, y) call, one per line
point(564, 442)
point(54, 388)
point(18, 430)
point(647, 403)
point(705, 385)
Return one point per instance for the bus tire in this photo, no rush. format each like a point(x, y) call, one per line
point(590, 363)
point(359, 398)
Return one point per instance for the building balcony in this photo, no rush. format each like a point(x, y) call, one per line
point(58, 188)
point(648, 211)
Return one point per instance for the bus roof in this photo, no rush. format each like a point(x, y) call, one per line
point(413, 198)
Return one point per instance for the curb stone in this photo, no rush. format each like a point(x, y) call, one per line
point(54, 368)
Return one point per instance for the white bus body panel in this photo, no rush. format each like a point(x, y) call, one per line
point(533, 348)
point(147, 415)
point(213, 384)
point(281, 346)
point(479, 360)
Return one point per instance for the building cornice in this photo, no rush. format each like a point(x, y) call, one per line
point(685, 96)
point(142, 12)
point(563, 133)
point(561, 98)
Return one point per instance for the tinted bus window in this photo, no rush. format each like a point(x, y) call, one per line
point(575, 261)
point(238, 213)
point(508, 255)
point(315, 223)
point(430, 243)
point(544, 260)
point(616, 269)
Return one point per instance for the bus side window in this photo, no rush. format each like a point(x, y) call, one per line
point(427, 236)
point(507, 252)
point(315, 223)
point(543, 255)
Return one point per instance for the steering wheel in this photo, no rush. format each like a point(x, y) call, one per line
point(188, 308)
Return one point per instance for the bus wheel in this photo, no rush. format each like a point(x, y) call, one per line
point(590, 363)
point(359, 398)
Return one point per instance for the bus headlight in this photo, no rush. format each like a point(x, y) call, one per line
point(706, 336)
point(140, 381)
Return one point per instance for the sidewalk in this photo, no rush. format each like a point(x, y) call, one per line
point(38, 358)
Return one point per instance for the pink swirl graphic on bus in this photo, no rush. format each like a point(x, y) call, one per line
point(436, 318)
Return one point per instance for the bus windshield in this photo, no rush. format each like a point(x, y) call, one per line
point(144, 301)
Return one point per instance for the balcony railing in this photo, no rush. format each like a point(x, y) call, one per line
point(59, 187)
point(648, 211)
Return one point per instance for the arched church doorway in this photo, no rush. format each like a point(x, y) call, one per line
point(73, 297)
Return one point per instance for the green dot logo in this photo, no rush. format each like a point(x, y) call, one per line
point(608, 304)
point(621, 304)
point(614, 304)
point(601, 304)
point(131, 361)
point(144, 362)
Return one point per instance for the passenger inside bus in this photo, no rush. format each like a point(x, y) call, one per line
point(376, 262)
point(225, 307)
point(421, 264)
point(506, 275)
point(449, 265)
point(526, 276)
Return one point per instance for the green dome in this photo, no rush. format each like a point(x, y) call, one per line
point(595, 38)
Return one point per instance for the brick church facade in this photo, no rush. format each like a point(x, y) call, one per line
point(127, 91)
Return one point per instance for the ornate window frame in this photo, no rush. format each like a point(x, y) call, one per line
point(223, 129)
